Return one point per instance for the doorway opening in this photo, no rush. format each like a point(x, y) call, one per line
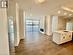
point(32, 25)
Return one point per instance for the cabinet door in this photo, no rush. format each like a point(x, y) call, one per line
point(65, 37)
point(69, 36)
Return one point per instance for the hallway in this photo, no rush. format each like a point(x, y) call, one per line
point(38, 44)
point(36, 27)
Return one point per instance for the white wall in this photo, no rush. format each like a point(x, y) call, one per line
point(4, 44)
point(42, 23)
point(54, 23)
point(21, 24)
point(17, 40)
point(24, 17)
point(48, 25)
point(58, 23)
point(61, 23)
point(11, 12)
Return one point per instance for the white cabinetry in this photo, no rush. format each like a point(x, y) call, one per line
point(60, 37)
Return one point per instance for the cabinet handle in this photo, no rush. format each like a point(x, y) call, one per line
point(63, 37)
point(69, 35)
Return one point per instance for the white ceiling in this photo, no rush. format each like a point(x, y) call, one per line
point(49, 7)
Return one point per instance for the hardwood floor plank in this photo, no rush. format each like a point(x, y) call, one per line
point(39, 44)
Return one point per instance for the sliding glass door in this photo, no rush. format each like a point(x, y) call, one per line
point(32, 25)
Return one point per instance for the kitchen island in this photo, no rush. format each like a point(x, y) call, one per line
point(60, 37)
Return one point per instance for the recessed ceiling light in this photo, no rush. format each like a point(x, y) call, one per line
point(67, 9)
point(70, 14)
point(39, 1)
point(59, 12)
point(65, 13)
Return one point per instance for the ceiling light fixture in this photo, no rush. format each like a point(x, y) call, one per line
point(70, 14)
point(65, 13)
point(67, 9)
point(39, 1)
point(59, 12)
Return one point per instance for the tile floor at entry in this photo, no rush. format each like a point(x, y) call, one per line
point(39, 44)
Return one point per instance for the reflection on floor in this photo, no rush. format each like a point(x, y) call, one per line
point(39, 44)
